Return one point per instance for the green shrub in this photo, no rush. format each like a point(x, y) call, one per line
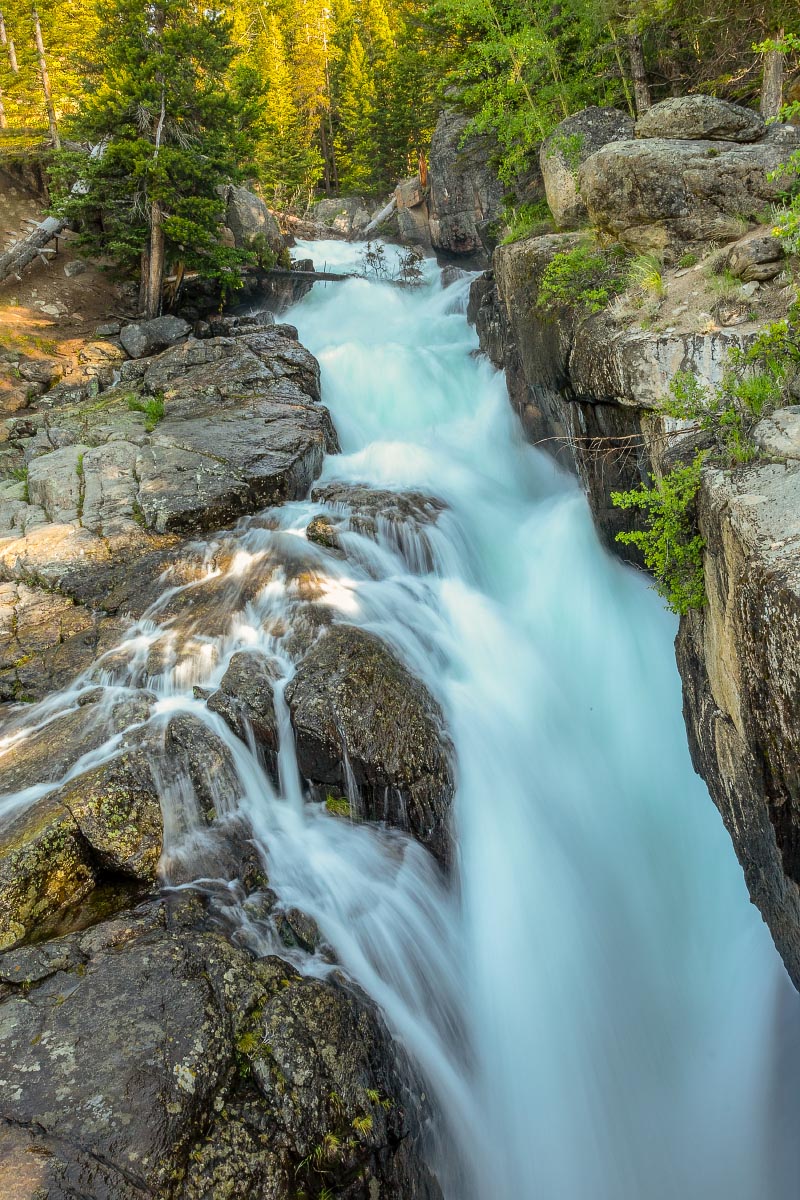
point(647, 273)
point(569, 146)
point(671, 546)
point(585, 278)
point(688, 260)
point(528, 220)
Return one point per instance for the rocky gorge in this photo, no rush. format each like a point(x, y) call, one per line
point(688, 183)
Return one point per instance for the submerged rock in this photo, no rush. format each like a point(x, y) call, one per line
point(193, 1072)
point(352, 699)
point(245, 702)
point(397, 518)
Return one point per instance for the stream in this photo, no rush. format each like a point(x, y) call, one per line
point(592, 1001)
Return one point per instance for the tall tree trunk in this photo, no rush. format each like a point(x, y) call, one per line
point(48, 95)
point(9, 45)
point(3, 117)
point(772, 84)
point(155, 273)
point(641, 92)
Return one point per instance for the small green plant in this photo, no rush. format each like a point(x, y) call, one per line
point(363, 1125)
point(20, 474)
point(528, 220)
point(671, 546)
point(569, 146)
point(153, 409)
point(339, 806)
point(585, 279)
point(688, 260)
point(647, 273)
point(79, 466)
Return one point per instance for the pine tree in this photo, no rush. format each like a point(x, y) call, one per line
point(356, 147)
point(169, 132)
point(288, 162)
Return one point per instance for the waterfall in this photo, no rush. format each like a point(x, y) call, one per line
point(591, 999)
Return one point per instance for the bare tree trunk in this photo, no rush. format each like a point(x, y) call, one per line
point(641, 92)
point(25, 251)
point(772, 84)
point(48, 95)
point(4, 41)
point(3, 117)
point(155, 274)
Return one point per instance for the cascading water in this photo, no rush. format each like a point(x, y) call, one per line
point(593, 1002)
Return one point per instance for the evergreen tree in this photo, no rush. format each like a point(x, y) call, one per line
point(168, 132)
point(356, 145)
point(288, 162)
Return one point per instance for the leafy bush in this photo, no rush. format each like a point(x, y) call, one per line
point(688, 260)
point(585, 278)
point(528, 220)
point(569, 146)
point(671, 546)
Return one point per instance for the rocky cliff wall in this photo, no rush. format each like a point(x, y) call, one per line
point(588, 391)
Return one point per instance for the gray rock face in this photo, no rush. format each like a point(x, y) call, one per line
point(148, 337)
point(701, 117)
point(657, 195)
point(247, 216)
point(245, 702)
point(192, 1071)
point(218, 428)
point(740, 663)
point(570, 144)
point(411, 212)
point(344, 216)
point(351, 696)
point(465, 195)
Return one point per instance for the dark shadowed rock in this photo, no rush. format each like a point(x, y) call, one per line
point(351, 696)
point(245, 701)
point(193, 1072)
point(569, 145)
point(148, 337)
point(697, 117)
point(399, 518)
point(465, 193)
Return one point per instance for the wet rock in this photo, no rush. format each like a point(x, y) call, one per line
point(699, 117)
point(58, 849)
point(465, 194)
point(46, 640)
point(255, 1081)
point(399, 518)
point(245, 701)
point(144, 338)
point(570, 144)
point(661, 194)
point(351, 696)
point(756, 259)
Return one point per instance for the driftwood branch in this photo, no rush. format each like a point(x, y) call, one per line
point(24, 252)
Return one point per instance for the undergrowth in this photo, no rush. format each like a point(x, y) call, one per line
point(585, 278)
point(752, 386)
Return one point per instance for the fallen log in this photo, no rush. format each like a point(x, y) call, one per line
point(383, 215)
point(325, 276)
point(29, 248)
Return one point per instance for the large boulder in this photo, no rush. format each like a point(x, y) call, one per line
point(104, 826)
point(353, 703)
point(247, 217)
point(756, 259)
point(211, 429)
point(144, 1062)
point(701, 117)
point(568, 146)
point(411, 212)
point(466, 196)
point(344, 216)
point(144, 338)
point(660, 194)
